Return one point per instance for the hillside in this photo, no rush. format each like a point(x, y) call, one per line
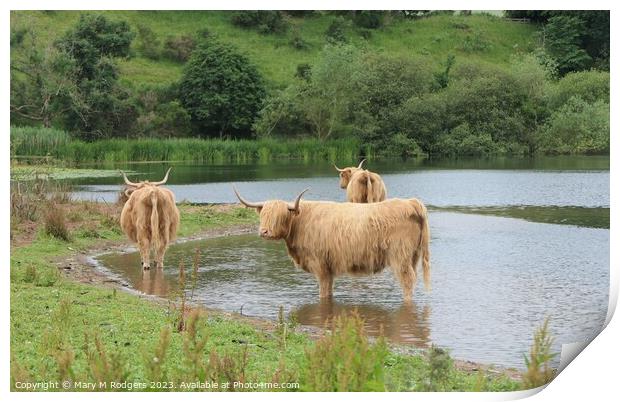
point(493, 38)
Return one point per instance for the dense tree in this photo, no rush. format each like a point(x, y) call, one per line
point(222, 90)
point(95, 37)
point(327, 97)
point(563, 42)
point(586, 31)
point(103, 108)
point(41, 79)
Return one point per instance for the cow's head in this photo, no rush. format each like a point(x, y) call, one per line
point(130, 186)
point(346, 173)
point(276, 216)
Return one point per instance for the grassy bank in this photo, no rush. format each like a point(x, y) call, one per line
point(56, 144)
point(62, 329)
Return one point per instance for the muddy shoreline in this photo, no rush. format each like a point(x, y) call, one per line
point(83, 267)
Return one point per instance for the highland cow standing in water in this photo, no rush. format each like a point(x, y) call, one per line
point(150, 218)
point(362, 185)
point(331, 239)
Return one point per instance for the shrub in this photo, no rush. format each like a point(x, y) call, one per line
point(179, 48)
point(400, 145)
point(303, 71)
point(475, 42)
point(442, 78)
point(462, 140)
point(55, 223)
point(344, 359)
point(495, 104)
point(298, 42)
point(23, 205)
point(148, 43)
point(439, 366)
point(221, 90)
point(385, 84)
point(365, 33)
point(590, 86)
point(280, 114)
point(264, 21)
point(577, 127)
point(167, 120)
point(335, 32)
point(421, 118)
point(369, 19)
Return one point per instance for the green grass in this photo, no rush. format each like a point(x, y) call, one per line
point(35, 142)
point(578, 216)
point(196, 219)
point(434, 37)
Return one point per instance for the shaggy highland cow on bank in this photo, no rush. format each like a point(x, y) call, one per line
point(150, 218)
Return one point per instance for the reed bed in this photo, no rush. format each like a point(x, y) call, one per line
point(42, 142)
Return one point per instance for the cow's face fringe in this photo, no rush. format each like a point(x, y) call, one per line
point(275, 220)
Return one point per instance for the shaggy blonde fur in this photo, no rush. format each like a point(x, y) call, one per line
point(363, 186)
point(366, 187)
point(330, 239)
point(150, 218)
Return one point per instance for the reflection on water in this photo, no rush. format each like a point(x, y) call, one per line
point(153, 282)
point(494, 282)
point(407, 324)
point(578, 181)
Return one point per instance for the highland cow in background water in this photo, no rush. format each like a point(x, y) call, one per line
point(363, 186)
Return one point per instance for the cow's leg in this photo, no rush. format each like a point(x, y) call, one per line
point(326, 285)
point(145, 250)
point(159, 255)
point(407, 277)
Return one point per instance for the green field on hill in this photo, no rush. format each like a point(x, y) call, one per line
point(277, 60)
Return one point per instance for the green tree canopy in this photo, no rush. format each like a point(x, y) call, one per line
point(222, 90)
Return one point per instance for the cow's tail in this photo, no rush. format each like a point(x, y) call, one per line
point(370, 195)
point(155, 240)
point(423, 248)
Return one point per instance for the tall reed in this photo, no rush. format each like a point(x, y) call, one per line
point(37, 142)
point(539, 371)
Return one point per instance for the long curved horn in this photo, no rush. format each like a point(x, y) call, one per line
point(338, 169)
point(129, 183)
point(159, 183)
point(295, 207)
point(247, 203)
point(361, 163)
